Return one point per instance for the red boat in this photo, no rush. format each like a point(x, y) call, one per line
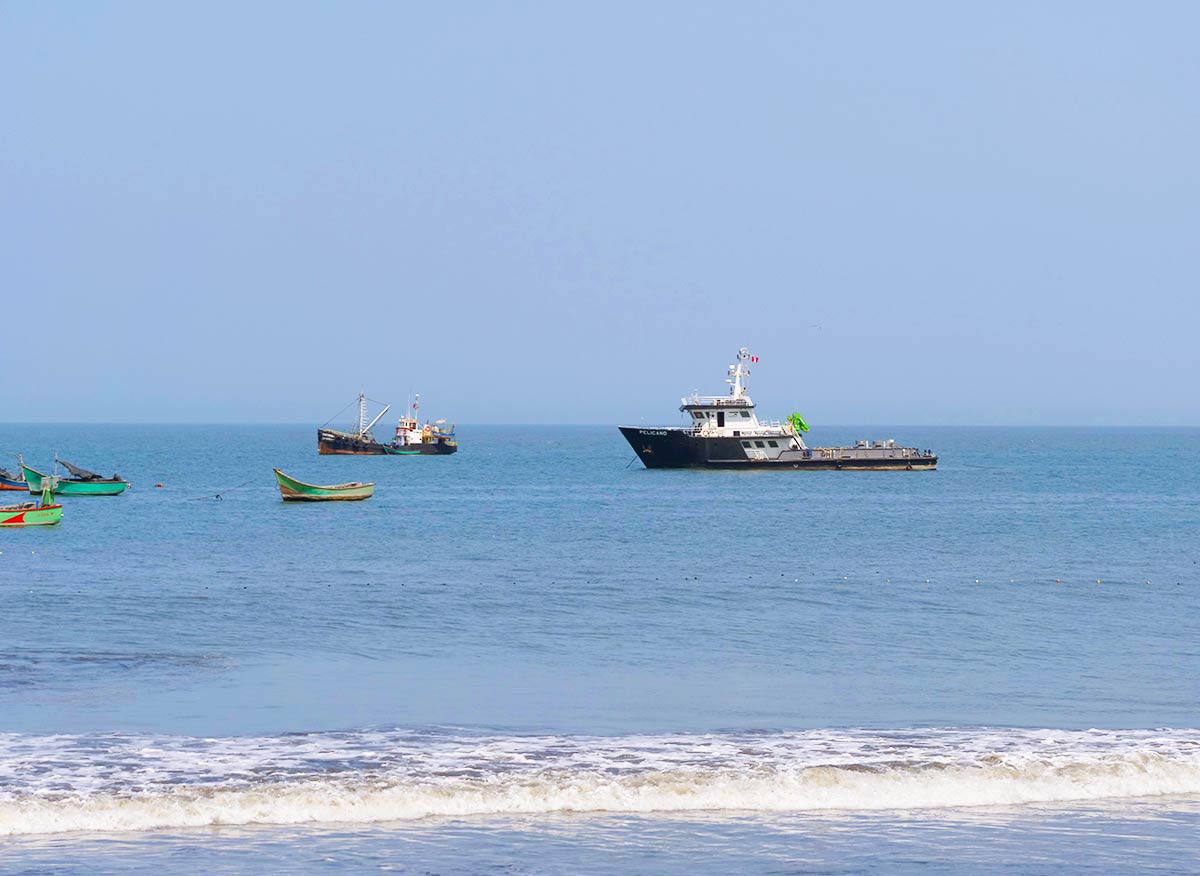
point(12, 482)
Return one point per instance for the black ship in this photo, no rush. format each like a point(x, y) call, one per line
point(411, 439)
point(725, 432)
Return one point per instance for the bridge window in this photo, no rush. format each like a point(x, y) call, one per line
point(745, 443)
point(759, 444)
point(773, 443)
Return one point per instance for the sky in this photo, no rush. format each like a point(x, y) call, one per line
point(917, 213)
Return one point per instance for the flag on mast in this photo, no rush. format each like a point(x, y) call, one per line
point(754, 359)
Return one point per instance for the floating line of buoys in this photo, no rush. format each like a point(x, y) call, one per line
point(846, 578)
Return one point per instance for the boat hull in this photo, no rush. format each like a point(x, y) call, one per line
point(425, 448)
point(30, 515)
point(333, 443)
point(14, 485)
point(679, 448)
point(73, 487)
point(292, 490)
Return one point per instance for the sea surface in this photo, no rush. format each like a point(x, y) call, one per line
point(537, 657)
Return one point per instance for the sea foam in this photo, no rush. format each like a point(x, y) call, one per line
point(130, 783)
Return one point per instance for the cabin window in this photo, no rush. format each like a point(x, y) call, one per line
point(746, 414)
point(773, 443)
point(745, 443)
point(759, 444)
point(720, 419)
point(698, 415)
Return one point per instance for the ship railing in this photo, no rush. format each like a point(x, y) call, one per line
point(856, 452)
point(716, 401)
point(773, 429)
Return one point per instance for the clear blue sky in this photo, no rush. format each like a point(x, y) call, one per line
point(565, 212)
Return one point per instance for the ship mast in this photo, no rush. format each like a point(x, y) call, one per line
point(737, 372)
point(362, 415)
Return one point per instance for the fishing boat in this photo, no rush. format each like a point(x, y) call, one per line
point(293, 490)
point(82, 482)
point(43, 513)
point(412, 438)
point(725, 432)
point(9, 481)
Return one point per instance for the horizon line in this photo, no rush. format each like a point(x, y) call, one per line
point(611, 425)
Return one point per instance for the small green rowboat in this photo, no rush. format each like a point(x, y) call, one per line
point(293, 490)
point(85, 483)
point(42, 513)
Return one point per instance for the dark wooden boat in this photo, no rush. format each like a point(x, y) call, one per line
point(411, 439)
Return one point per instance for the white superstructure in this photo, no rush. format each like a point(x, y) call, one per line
point(410, 431)
point(733, 416)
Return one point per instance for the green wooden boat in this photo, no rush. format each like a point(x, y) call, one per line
point(44, 513)
point(293, 490)
point(84, 482)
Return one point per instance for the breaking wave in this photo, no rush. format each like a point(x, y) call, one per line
point(51, 784)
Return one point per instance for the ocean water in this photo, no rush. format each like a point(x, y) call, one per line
point(535, 657)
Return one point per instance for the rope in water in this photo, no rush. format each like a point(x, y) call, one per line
point(221, 495)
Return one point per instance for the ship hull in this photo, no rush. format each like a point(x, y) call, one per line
point(429, 448)
point(331, 443)
point(72, 487)
point(679, 448)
